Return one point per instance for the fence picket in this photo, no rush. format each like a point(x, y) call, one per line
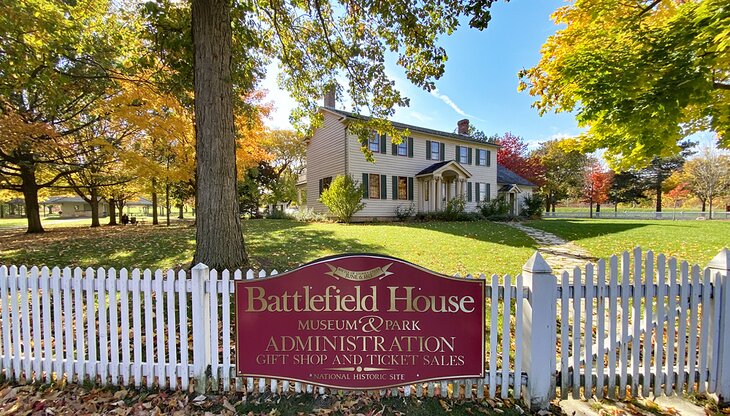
point(648, 323)
point(136, 328)
point(564, 330)
point(182, 296)
point(171, 330)
point(600, 330)
point(682, 331)
point(7, 343)
point(249, 380)
point(89, 282)
point(613, 331)
point(692, 348)
point(671, 325)
point(68, 322)
point(47, 324)
point(625, 277)
point(114, 326)
point(33, 284)
point(239, 381)
point(25, 321)
point(507, 305)
point(588, 330)
point(705, 326)
point(493, 328)
point(636, 318)
point(57, 322)
point(77, 284)
point(226, 318)
point(719, 292)
point(517, 385)
point(214, 328)
point(15, 322)
point(124, 285)
point(149, 337)
point(103, 334)
point(161, 363)
point(576, 331)
point(660, 318)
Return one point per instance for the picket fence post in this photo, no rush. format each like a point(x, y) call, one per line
point(720, 264)
point(539, 332)
point(201, 326)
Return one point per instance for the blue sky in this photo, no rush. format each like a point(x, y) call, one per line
point(480, 82)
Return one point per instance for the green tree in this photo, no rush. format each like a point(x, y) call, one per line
point(640, 75)
point(626, 188)
point(563, 171)
point(316, 42)
point(661, 168)
point(343, 197)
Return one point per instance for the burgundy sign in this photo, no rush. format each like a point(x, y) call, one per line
point(360, 322)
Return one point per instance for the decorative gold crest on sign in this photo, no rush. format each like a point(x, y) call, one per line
point(339, 272)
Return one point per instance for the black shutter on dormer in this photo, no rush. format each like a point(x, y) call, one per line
point(383, 144)
point(428, 149)
point(410, 147)
point(443, 152)
point(489, 158)
point(469, 157)
point(457, 157)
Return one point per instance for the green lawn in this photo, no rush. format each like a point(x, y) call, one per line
point(694, 241)
point(46, 222)
point(447, 247)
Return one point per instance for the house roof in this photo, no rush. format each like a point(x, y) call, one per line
point(16, 201)
point(140, 201)
point(411, 127)
point(440, 166)
point(506, 176)
point(63, 199)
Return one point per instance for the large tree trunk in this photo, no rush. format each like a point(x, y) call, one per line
point(180, 213)
point(167, 203)
point(219, 241)
point(30, 193)
point(658, 185)
point(94, 202)
point(155, 220)
point(112, 212)
point(120, 205)
point(704, 204)
point(591, 209)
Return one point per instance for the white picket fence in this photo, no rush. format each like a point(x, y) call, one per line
point(614, 328)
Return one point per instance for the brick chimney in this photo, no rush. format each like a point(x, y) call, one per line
point(463, 126)
point(330, 97)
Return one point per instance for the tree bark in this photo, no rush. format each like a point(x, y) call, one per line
point(219, 241)
point(155, 220)
point(167, 203)
point(120, 205)
point(30, 194)
point(112, 212)
point(180, 212)
point(94, 202)
point(704, 204)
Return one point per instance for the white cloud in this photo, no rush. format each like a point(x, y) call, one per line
point(448, 101)
point(420, 116)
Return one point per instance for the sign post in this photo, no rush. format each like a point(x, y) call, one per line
point(360, 322)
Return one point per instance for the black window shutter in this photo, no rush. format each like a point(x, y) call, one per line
point(428, 149)
point(410, 189)
point(383, 144)
point(476, 191)
point(468, 192)
point(443, 151)
point(489, 194)
point(410, 147)
point(365, 187)
point(469, 157)
point(394, 148)
point(321, 185)
point(383, 187)
point(395, 188)
point(489, 158)
point(458, 154)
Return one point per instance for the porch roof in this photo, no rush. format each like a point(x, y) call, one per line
point(439, 167)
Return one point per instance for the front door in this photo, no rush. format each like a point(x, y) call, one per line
point(512, 204)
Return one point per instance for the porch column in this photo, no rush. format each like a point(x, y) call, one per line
point(437, 194)
point(431, 195)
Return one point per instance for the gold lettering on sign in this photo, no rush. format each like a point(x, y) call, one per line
point(339, 272)
point(404, 297)
point(332, 300)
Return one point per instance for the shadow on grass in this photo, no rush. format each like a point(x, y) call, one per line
point(571, 229)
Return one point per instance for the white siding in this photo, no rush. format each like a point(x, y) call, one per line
point(391, 165)
point(325, 157)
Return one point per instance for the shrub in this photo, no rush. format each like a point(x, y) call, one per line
point(309, 215)
point(403, 213)
point(497, 208)
point(277, 214)
point(343, 197)
point(532, 206)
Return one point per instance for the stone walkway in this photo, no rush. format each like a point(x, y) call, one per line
point(560, 254)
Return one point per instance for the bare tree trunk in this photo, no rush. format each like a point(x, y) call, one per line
point(94, 202)
point(167, 202)
point(155, 220)
point(112, 212)
point(219, 241)
point(30, 194)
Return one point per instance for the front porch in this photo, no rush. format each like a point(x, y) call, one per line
point(440, 183)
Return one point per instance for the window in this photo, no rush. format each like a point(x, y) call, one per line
point(435, 151)
point(481, 157)
point(402, 187)
point(324, 183)
point(463, 155)
point(483, 192)
point(374, 143)
point(403, 147)
point(374, 186)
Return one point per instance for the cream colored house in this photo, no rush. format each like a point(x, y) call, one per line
point(424, 171)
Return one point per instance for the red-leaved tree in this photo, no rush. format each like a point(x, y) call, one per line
point(513, 155)
point(596, 185)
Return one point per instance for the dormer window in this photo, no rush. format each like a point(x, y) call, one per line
point(435, 151)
